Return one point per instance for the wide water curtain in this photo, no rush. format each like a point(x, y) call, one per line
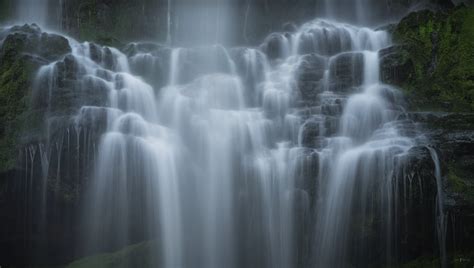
point(288, 153)
point(33, 11)
point(202, 22)
point(214, 163)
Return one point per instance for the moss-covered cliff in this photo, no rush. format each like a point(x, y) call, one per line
point(22, 52)
point(435, 64)
point(14, 87)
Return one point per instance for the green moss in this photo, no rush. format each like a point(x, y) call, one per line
point(139, 255)
point(460, 181)
point(6, 10)
point(459, 260)
point(441, 46)
point(14, 88)
point(16, 72)
point(109, 32)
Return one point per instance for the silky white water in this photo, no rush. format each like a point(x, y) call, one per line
point(204, 152)
point(32, 11)
point(214, 163)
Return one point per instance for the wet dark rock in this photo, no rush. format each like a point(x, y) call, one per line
point(290, 27)
point(333, 109)
point(311, 130)
point(453, 136)
point(29, 39)
point(321, 41)
point(133, 49)
point(95, 52)
point(312, 68)
point(108, 59)
point(310, 77)
point(103, 56)
point(331, 125)
point(276, 46)
point(23, 50)
point(346, 71)
point(396, 67)
point(53, 46)
point(67, 69)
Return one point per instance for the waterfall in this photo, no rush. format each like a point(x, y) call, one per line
point(212, 162)
point(362, 12)
point(33, 11)
point(168, 22)
point(440, 214)
point(281, 155)
point(203, 21)
point(46, 13)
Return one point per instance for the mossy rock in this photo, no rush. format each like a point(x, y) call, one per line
point(440, 46)
point(461, 180)
point(142, 255)
point(24, 49)
point(396, 66)
point(31, 40)
point(14, 99)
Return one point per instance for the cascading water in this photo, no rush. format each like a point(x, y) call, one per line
point(33, 11)
point(201, 21)
point(196, 156)
point(364, 12)
point(440, 214)
point(281, 155)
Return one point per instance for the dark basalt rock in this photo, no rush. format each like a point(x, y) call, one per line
point(453, 135)
point(103, 56)
point(396, 67)
point(29, 39)
point(310, 77)
point(133, 49)
point(275, 46)
point(346, 71)
point(310, 133)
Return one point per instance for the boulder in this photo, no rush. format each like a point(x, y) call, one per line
point(310, 76)
point(346, 71)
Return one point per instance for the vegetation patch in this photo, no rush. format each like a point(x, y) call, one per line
point(138, 255)
point(441, 49)
point(14, 99)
